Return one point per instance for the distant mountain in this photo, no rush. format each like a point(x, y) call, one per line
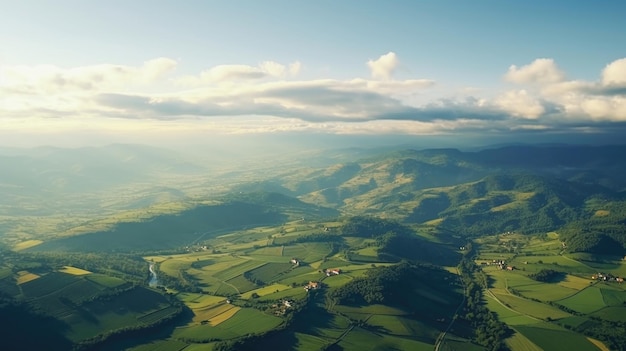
point(89, 169)
point(513, 188)
point(40, 181)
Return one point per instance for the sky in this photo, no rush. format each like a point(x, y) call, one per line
point(78, 72)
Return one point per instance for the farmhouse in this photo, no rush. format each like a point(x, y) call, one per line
point(294, 261)
point(607, 277)
point(333, 271)
point(312, 285)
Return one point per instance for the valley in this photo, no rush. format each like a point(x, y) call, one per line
point(506, 248)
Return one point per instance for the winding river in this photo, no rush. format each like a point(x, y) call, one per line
point(154, 280)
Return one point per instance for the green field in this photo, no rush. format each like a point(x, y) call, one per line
point(291, 293)
point(225, 289)
point(167, 345)
point(613, 297)
point(124, 311)
point(574, 290)
point(5, 272)
point(250, 321)
point(243, 266)
point(616, 314)
point(557, 340)
point(195, 300)
point(241, 284)
point(372, 309)
point(337, 280)
point(518, 342)
point(531, 308)
point(105, 280)
point(268, 251)
point(586, 301)
point(48, 284)
point(403, 326)
point(245, 321)
point(155, 316)
point(507, 315)
point(361, 339)
point(270, 289)
point(270, 272)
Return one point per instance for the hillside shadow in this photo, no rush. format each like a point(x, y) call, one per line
point(18, 324)
point(136, 338)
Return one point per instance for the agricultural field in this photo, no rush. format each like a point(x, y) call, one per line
point(138, 306)
point(536, 310)
point(362, 339)
point(88, 305)
point(74, 270)
point(25, 277)
point(227, 325)
point(586, 301)
point(105, 280)
point(266, 290)
point(259, 280)
point(555, 339)
point(5, 272)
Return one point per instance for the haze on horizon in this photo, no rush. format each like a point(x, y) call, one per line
point(76, 73)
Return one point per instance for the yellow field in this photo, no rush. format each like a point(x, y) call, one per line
point(26, 244)
point(437, 221)
point(204, 314)
point(574, 282)
point(74, 270)
point(519, 342)
point(200, 301)
point(25, 276)
point(599, 344)
point(224, 316)
point(553, 235)
point(316, 264)
point(602, 213)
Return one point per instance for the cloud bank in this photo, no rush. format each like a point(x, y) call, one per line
point(270, 97)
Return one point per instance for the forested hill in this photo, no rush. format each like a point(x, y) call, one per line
point(528, 189)
point(166, 232)
point(579, 190)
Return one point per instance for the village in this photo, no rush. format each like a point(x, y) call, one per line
point(500, 264)
point(607, 277)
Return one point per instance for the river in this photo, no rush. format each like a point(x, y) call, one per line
point(154, 280)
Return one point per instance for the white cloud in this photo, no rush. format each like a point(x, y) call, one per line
point(605, 108)
point(42, 79)
point(384, 66)
point(560, 89)
point(241, 73)
point(154, 69)
point(540, 71)
point(520, 104)
point(615, 73)
point(273, 69)
point(232, 72)
point(268, 98)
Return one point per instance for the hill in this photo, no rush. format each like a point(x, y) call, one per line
point(46, 304)
point(579, 189)
point(174, 231)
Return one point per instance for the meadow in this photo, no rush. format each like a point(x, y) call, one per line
point(90, 305)
point(538, 311)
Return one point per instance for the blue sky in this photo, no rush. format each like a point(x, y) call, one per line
point(148, 71)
